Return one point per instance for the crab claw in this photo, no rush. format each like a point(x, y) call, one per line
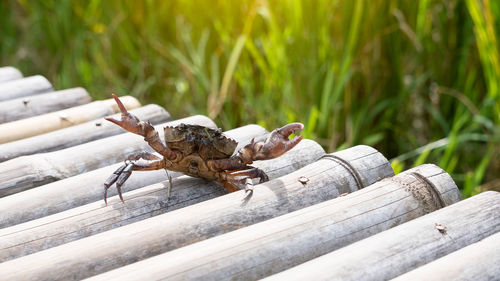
point(128, 121)
point(278, 142)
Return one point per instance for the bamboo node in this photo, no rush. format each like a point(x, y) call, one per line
point(347, 166)
point(422, 191)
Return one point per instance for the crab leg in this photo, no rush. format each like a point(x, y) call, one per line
point(125, 174)
point(132, 124)
point(124, 171)
point(111, 180)
point(243, 177)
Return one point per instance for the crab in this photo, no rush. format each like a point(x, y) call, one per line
point(201, 152)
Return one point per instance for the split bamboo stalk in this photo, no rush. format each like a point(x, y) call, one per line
point(277, 244)
point(30, 171)
point(48, 232)
point(334, 174)
point(86, 188)
point(48, 122)
point(478, 261)
point(78, 134)
point(15, 109)
point(408, 246)
point(24, 87)
point(8, 73)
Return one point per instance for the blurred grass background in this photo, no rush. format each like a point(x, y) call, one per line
point(418, 80)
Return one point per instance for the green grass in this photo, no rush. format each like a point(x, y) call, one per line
point(418, 80)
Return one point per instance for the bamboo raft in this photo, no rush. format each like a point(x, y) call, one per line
point(321, 216)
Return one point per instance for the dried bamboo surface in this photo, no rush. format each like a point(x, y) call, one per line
point(48, 232)
point(30, 171)
point(29, 86)
point(277, 244)
point(86, 188)
point(78, 134)
point(48, 122)
point(8, 73)
point(328, 177)
point(16, 109)
point(408, 246)
point(478, 261)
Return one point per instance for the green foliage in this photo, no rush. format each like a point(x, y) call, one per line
point(419, 80)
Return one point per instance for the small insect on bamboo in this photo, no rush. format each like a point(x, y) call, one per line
point(201, 152)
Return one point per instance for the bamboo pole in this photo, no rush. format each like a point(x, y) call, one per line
point(86, 188)
point(48, 232)
point(326, 178)
point(478, 261)
point(30, 171)
point(277, 244)
point(78, 134)
point(48, 122)
point(24, 87)
point(8, 73)
point(20, 108)
point(408, 246)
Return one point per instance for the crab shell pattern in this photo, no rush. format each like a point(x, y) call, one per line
point(208, 143)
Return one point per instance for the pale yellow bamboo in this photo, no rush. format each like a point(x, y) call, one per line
point(61, 119)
